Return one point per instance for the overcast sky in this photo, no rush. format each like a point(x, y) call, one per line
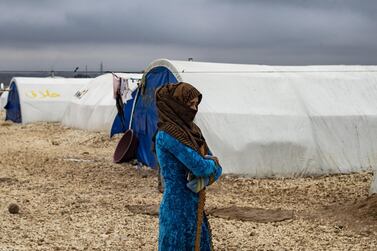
point(127, 35)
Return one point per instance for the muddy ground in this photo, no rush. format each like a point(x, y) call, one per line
point(72, 197)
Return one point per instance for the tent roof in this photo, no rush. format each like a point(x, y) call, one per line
point(181, 67)
point(48, 80)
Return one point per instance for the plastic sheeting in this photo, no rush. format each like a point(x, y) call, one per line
point(3, 100)
point(267, 121)
point(12, 106)
point(145, 117)
point(118, 126)
point(40, 99)
point(93, 106)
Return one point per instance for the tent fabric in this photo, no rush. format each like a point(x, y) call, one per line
point(40, 99)
point(3, 100)
point(13, 107)
point(117, 126)
point(93, 108)
point(144, 122)
point(267, 121)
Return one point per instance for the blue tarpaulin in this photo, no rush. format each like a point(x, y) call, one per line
point(117, 126)
point(144, 123)
point(13, 106)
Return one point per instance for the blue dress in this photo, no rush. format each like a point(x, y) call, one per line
point(178, 208)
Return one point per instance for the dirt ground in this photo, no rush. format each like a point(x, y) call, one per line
point(72, 197)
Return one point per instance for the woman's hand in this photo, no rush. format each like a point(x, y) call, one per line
point(214, 158)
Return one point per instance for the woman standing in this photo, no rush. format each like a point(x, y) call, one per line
point(186, 166)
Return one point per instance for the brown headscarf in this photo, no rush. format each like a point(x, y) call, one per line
point(177, 118)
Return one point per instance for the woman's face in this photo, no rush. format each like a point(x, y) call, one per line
point(193, 103)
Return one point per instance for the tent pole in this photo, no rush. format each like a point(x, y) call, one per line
point(133, 108)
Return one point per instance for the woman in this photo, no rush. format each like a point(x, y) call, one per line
point(186, 167)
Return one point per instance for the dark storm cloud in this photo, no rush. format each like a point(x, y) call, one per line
point(321, 31)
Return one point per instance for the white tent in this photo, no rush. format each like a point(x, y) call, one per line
point(3, 100)
point(40, 99)
point(288, 121)
point(94, 108)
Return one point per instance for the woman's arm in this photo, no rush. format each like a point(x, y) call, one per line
point(199, 183)
point(196, 163)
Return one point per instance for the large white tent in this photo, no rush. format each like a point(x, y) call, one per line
point(94, 108)
point(267, 121)
point(40, 99)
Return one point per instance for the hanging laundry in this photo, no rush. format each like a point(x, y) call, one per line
point(116, 85)
point(118, 92)
point(127, 92)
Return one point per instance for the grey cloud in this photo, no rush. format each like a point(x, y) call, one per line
point(285, 32)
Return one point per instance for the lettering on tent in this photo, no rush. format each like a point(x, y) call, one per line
point(80, 94)
point(42, 94)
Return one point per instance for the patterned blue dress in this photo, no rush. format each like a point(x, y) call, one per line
point(178, 208)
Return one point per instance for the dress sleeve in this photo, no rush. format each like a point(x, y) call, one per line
point(217, 173)
point(199, 183)
point(198, 165)
point(218, 170)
